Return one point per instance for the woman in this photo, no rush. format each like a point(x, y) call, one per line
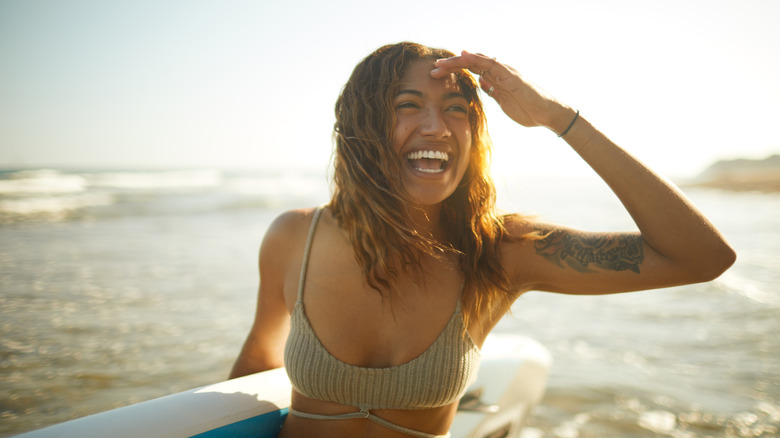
point(403, 275)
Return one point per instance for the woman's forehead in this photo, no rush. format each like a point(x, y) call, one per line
point(418, 75)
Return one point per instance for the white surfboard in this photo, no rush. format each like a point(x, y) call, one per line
point(511, 381)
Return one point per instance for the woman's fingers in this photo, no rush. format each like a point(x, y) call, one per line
point(476, 63)
point(486, 86)
point(495, 78)
point(491, 73)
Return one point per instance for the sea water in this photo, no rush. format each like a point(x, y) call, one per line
point(121, 286)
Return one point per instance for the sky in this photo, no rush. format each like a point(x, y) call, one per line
point(251, 84)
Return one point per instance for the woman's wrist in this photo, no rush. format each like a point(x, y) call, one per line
point(568, 128)
point(561, 121)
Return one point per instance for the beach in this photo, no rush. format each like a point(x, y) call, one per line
point(118, 286)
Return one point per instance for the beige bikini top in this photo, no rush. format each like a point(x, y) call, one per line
point(437, 377)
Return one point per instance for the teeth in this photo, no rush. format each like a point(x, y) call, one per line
point(431, 155)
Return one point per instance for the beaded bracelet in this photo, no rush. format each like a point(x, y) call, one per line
point(570, 124)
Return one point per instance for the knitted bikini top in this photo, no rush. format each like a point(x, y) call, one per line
point(437, 377)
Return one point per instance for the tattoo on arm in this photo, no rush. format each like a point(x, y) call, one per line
point(615, 252)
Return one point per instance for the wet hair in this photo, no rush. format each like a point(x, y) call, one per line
point(369, 199)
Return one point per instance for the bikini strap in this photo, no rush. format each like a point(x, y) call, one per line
point(306, 251)
point(365, 413)
point(460, 298)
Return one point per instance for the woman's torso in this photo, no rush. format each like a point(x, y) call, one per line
point(360, 327)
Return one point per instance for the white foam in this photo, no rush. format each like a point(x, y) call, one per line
point(53, 204)
point(772, 411)
point(658, 421)
point(531, 432)
point(42, 181)
point(749, 288)
point(156, 180)
point(571, 428)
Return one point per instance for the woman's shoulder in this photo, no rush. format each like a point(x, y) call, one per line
point(292, 221)
point(288, 231)
point(521, 233)
point(294, 225)
point(521, 227)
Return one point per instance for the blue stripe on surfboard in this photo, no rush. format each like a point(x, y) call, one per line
point(261, 426)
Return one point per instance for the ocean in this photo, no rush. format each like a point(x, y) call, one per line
point(122, 286)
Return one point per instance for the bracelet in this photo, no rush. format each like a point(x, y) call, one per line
point(576, 116)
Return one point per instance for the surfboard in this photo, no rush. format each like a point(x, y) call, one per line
point(511, 382)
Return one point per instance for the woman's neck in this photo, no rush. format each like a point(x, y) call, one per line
point(426, 219)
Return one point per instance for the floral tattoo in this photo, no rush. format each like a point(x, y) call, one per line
point(616, 252)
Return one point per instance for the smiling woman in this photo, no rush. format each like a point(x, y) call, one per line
point(378, 303)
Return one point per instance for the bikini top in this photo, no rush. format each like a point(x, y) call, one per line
point(437, 377)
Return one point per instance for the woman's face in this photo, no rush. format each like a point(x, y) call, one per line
point(432, 133)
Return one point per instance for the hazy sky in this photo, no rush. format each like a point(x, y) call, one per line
point(193, 83)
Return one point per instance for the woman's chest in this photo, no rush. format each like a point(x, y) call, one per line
point(367, 327)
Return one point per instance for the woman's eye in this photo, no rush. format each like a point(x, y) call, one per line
point(459, 108)
point(407, 105)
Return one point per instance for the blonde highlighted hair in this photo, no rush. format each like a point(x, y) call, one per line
point(371, 204)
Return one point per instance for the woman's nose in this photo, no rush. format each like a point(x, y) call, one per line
point(434, 124)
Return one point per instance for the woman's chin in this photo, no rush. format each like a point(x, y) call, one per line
point(430, 197)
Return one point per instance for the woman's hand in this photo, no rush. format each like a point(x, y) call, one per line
point(523, 102)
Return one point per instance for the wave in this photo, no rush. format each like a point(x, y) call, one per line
point(50, 181)
point(58, 194)
point(41, 181)
point(156, 179)
point(750, 288)
point(53, 206)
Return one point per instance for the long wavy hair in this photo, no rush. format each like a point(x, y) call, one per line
point(370, 202)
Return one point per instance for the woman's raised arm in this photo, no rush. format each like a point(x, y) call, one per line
point(677, 244)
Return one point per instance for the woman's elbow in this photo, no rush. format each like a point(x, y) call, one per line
point(728, 258)
point(716, 263)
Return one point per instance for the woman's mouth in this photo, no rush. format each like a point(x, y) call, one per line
point(428, 161)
